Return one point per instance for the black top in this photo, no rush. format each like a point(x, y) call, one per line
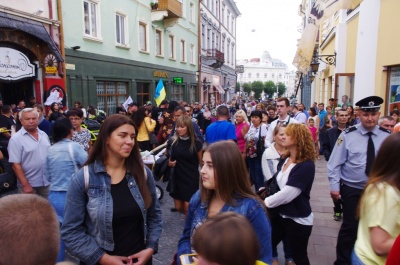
point(6, 122)
point(186, 173)
point(127, 221)
point(301, 176)
point(55, 115)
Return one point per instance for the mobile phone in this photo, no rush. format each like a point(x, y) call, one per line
point(187, 259)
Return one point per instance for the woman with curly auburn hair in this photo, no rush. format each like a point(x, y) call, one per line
point(292, 202)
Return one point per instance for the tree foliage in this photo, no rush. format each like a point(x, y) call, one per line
point(257, 87)
point(247, 88)
point(281, 89)
point(269, 88)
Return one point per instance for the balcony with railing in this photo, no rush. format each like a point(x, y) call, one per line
point(214, 58)
point(173, 7)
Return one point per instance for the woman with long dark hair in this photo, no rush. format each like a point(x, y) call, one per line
point(55, 112)
point(167, 122)
point(186, 152)
point(294, 218)
point(379, 207)
point(146, 125)
point(112, 216)
point(224, 187)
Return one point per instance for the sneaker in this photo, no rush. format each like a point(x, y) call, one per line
point(337, 216)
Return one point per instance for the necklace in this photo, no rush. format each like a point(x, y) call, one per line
point(184, 138)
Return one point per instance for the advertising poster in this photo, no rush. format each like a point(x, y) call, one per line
point(394, 89)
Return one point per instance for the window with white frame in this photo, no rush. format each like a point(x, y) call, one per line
point(228, 15)
point(233, 53)
point(213, 41)
point(203, 36)
point(191, 54)
point(90, 13)
point(217, 42)
point(257, 75)
point(182, 49)
point(265, 75)
point(228, 47)
point(142, 36)
point(158, 42)
point(120, 29)
point(217, 9)
point(232, 25)
point(249, 75)
point(191, 12)
point(171, 46)
point(223, 14)
point(209, 39)
point(223, 44)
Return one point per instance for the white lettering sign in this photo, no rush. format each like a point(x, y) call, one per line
point(14, 65)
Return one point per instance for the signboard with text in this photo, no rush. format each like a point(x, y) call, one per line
point(14, 65)
point(178, 80)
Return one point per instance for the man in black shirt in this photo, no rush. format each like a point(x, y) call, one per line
point(6, 121)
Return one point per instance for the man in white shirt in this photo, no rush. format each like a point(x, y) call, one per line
point(283, 108)
point(299, 115)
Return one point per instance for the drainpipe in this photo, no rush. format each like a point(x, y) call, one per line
point(61, 65)
point(199, 79)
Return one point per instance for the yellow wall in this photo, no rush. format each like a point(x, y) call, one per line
point(351, 45)
point(388, 43)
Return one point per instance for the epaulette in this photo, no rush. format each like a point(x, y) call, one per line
point(350, 129)
point(385, 130)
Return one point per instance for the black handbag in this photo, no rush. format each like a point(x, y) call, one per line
point(160, 167)
point(260, 145)
point(8, 180)
point(171, 187)
point(271, 186)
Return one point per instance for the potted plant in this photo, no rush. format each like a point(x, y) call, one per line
point(153, 5)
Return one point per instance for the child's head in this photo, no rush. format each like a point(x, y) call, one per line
point(311, 122)
point(226, 239)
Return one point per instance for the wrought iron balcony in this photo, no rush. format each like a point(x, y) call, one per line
point(173, 7)
point(214, 58)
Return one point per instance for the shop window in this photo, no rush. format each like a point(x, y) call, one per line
point(177, 92)
point(394, 88)
point(142, 94)
point(192, 94)
point(110, 95)
point(120, 29)
point(90, 12)
point(344, 92)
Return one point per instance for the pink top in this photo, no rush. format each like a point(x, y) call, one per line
point(313, 131)
point(240, 139)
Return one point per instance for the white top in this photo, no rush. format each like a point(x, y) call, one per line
point(286, 195)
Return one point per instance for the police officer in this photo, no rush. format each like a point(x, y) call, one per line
point(348, 169)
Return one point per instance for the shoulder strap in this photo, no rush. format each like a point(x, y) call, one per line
point(86, 177)
point(71, 154)
point(280, 164)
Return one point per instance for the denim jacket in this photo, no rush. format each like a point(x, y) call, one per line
point(87, 227)
point(248, 207)
point(60, 164)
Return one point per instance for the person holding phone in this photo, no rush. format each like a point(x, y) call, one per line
point(225, 187)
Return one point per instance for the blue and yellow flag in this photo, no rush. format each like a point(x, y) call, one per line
point(160, 93)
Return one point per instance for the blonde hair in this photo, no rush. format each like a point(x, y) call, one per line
point(185, 121)
point(304, 142)
point(243, 114)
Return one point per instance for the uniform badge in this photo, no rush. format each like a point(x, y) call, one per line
point(339, 141)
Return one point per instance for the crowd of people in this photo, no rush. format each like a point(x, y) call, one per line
point(104, 198)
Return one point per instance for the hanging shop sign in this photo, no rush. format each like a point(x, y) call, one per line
point(14, 65)
point(177, 80)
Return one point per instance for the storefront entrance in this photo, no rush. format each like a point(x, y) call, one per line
point(13, 92)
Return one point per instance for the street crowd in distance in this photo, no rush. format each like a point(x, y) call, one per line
point(76, 186)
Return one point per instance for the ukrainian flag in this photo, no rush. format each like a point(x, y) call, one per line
point(160, 93)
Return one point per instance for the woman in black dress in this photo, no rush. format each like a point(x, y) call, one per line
point(55, 112)
point(186, 152)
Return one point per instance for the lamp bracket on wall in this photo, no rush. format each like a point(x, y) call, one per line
point(328, 59)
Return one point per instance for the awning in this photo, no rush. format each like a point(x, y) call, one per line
point(31, 27)
point(220, 89)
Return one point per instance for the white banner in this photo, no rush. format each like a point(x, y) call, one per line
point(14, 65)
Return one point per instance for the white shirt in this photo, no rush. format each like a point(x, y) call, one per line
point(269, 138)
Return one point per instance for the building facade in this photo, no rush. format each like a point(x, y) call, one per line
point(30, 57)
point(217, 72)
point(360, 70)
point(119, 49)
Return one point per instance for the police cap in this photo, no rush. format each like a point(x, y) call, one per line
point(370, 104)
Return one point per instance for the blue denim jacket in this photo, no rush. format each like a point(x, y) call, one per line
point(60, 166)
point(248, 207)
point(87, 227)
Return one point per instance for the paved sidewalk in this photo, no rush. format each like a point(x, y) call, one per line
point(322, 243)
